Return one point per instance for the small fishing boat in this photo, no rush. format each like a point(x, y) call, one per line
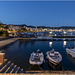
point(71, 51)
point(39, 37)
point(54, 57)
point(36, 58)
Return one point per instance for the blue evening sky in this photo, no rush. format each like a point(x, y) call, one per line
point(46, 13)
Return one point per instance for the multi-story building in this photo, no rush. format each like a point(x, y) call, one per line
point(14, 27)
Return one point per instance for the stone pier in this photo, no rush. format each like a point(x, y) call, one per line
point(6, 42)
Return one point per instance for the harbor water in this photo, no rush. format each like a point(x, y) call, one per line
point(19, 53)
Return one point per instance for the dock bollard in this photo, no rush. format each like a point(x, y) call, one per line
point(2, 55)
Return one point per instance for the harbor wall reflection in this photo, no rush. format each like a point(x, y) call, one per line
point(70, 58)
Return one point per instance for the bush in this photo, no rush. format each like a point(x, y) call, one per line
point(3, 33)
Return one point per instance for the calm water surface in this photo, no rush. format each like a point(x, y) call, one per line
point(19, 53)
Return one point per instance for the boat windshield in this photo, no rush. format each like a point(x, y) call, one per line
point(35, 57)
point(54, 55)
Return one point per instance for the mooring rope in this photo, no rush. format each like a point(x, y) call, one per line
point(29, 67)
point(62, 67)
point(32, 66)
point(40, 67)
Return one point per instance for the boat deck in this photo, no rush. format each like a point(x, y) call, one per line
point(36, 57)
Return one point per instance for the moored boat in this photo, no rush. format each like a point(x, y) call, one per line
point(70, 58)
point(54, 57)
point(36, 58)
point(71, 51)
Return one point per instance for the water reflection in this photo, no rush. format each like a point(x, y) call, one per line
point(21, 42)
point(64, 43)
point(32, 42)
point(36, 67)
point(50, 43)
point(19, 53)
point(70, 58)
point(74, 43)
point(26, 42)
point(54, 67)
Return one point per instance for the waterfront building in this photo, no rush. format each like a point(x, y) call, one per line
point(14, 27)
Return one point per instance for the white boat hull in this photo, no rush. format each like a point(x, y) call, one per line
point(55, 62)
point(70, 52)
point(34, 62)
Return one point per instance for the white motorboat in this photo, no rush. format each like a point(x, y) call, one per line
point(71, 51)
point(36, 58)
point(47, 37)
point(54, 57)
point(40, 37)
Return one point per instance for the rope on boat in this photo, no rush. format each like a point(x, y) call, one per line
point(40, 67)
point(62, 67)
point(30, 67)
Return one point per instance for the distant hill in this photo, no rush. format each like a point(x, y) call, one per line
point(61, 27)
point(30, 26)
point(65, 27)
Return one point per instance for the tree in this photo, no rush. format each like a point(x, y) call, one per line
point(22, 30)
point(6, 27)
point(3, 33)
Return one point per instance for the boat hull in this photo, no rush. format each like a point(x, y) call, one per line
point(53, 62)
point(36, 63)
point(36, 59)
point(70, 53)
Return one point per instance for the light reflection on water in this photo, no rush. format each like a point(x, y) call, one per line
point(64, 43)
point(19, 52)
point(50, 43)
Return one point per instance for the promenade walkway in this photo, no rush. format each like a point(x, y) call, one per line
point(44, 73)
point(6, 42)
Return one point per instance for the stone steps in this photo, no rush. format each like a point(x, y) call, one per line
point(8, 67)
point(5, 66)
point(13, 68)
